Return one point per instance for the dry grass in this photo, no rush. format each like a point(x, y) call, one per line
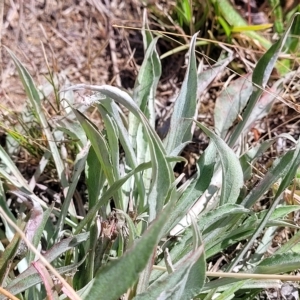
point(77, 39)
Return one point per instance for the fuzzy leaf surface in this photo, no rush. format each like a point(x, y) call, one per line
point(185, 106)
point(115, 278)
point(232, 173)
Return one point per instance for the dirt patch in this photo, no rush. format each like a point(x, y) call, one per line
point(77, 39)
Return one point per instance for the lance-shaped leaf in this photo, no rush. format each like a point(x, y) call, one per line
point(162, 174)
point(115, 278)
point(9, 253)
point(278, 263)
point(103, 152)
point(30, 278)
point(112, 109)
point(24, 280)
point(261, 75)
point(232, 173)
point(230, 103)
point(186, 281)
point(184, 108)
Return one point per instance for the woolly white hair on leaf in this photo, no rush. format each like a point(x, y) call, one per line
point(92, 99)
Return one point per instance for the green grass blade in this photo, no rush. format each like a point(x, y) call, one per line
point(265, 65)
point(293, 40)
point(196, 277)
point(3, 203)
point(277, 12)
point(291, 245)
point(227, 238)
point(231, 290)
point(212, 218)
point(37, 226)
point(282, 211)
point(214, 233)
point(281, 167)
point(9, 253)
point(250, 157)
point(57, 250)
point(16, 179)
point(146, 32)
point(112, 135)
point(30, 278)
point(35, 101)
point(144, 96)
point(71, 128)
point(235, 19)
point(147, 81)
point(223, 284)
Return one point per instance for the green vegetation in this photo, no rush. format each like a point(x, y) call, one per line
point(147, 233)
